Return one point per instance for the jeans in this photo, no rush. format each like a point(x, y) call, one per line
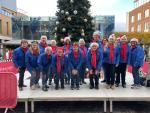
point(59, 77)
point(75, 80)
point(110, 73)
point(35, 76)
point(82, 72)
point(121, 72)
point(104, 69)
point(136, 77)
point(21, 76)
point(45, 76)
point(94, 77)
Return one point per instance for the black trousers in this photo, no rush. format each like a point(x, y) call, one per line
point(110, 73)
point(21, 76)
point(121, 72)
point(94, 79)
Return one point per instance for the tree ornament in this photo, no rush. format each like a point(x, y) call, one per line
point(62, 11)
point(82, 30)
point(57, 22)
point(55, 28)
point(71, 1)
point(63, 29)
point(82, 34)
point(75, 12)
point(85, 20)
point(69, 18)
point(67, 13)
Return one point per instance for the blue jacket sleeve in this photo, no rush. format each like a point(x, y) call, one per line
point(27, 60)
point(53, 64)
point(140, 57)
point(15, 58)
point(128, 55)
point(40, 62)
point(70, 62)
point(117, 55)
point(100, 60)
point(89, 60)
point(80, 62)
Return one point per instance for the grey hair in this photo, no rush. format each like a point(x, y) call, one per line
point(48, 48)
point(81, 40)
point(44, 36)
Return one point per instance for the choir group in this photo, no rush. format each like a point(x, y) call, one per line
point(71, 63)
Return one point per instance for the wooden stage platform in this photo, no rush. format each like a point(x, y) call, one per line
point(84, 94)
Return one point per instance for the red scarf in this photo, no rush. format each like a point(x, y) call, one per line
point(133, 46)
point(93, 58)
point(67, 48)
point(111, 54)
point(58, 64)
point(83, 51)
point(35, 52)
point(123, 51)
point(54, 49)
point(75, 54)
point(43, 44)
point(47, 56)
point(24, 50)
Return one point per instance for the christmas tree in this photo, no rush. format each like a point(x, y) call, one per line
point(74, 19)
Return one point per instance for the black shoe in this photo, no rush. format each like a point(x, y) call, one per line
point(72, 88)
point(50, 82)
point(103, 81)
point(47, 86)
point(24, 86)
point(62, 87)
point(96, 87)
point(20, 89)
point(56, 87)
point(80, 83)
point(84, 82)
point(91, 87)
point(124, 86)
point(77, 88)
point(44, 89)
point(117, 85)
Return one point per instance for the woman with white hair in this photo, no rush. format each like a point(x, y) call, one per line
point(84, 54)
point(32, 65)
point(45, 63)
point(112, 56)
point(136, 61)
point(97, 37)
point(125, 52)
point(94, 63)
point(43, 44)
point(54, 46)
point(67, 50)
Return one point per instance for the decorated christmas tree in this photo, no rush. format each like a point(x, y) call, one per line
point(74, 19)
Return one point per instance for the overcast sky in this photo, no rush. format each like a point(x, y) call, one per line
point(119, 8)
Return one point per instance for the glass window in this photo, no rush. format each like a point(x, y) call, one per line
point(132, 29)
point(146, 13)
point(132, 19)
point(0, 26)
point(139, 16)
point(146, 27)
point(139, 28)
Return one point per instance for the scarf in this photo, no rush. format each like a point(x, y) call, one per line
point(83, 51)
point(75, 54)
point(123, 51)
point(48, 56)
point(67, 48)
point(93, 58)
point(58, 64)
point(35, 52)
point(43, 44)
point(111, 54)
point(54, 49)
point(24, 50)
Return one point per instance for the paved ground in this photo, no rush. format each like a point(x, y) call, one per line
point(85, 107)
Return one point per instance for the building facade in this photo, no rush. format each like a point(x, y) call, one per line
point(138, 20)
